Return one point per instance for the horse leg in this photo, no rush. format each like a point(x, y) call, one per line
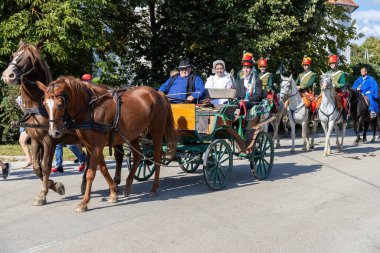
point(374, 125)
point(275, 125)
point(47, 158)
point(96, 153)
point(337, 133)
point(119, 155)
point(344, 126)
point(324, 126)
point(305, 136)
point(157, 144)
point(36, 156)
point(111, 183)
point(366, 125)
point(293, 128)
point(136, 162)
point(315, 126)
point(84, 176)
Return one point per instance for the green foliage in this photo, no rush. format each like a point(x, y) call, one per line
point(9, 112)
point(371, 44)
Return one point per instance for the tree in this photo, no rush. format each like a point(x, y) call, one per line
point(371, 44)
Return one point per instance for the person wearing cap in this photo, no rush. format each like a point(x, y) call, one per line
point(265, 76)
point(87, 78)
point(248, 88)
point(185, 86)
point(306, 79)
point(339, 81)
point(367, 85)
point(221, 80)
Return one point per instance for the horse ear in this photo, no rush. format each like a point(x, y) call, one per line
point(291, 77)
point(41, 43)
point(21, 43)
point(282, 77)
point(41, 86)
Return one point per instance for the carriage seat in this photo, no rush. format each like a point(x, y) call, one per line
point(215, 93)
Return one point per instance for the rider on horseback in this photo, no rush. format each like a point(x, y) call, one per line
point(367, 85)
point(267, 81)
point(339, 81)
point(305, 83)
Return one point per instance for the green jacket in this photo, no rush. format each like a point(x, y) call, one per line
point(338, 78)
point(267, 79)
point(306, 80)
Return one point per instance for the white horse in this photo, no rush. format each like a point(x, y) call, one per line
point(297, 112)
point(329, 114)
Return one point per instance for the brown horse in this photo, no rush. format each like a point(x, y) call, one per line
point(27, 67)
point(141, 109)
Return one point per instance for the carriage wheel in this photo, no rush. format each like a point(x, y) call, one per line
point(217, 165)
point(145, 170)
point(262, 156)
point(187, 166)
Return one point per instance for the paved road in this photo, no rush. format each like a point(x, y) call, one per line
point(309, 203)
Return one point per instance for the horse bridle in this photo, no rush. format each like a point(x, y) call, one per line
point(289, 90)
point(23, 72)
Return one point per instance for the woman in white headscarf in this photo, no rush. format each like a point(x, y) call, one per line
point(221, 80)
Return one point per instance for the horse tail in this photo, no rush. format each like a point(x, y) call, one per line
point(170, 133)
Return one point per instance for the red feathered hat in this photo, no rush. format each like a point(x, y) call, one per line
point(262, 62)
point(333, 58)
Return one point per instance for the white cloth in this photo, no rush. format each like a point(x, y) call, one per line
point(219, 82)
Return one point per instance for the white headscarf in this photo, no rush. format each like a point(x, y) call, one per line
point(216, 63)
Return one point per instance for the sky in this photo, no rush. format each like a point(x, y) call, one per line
point(367, 18)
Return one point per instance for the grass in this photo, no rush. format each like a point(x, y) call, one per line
point(15, 150)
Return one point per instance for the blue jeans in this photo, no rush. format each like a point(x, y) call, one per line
point(59, 154)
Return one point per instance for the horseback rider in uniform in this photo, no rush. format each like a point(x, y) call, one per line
point(267, 81)
point(306, 82)
point(338, 78)
point(249, 86)
point(367, 85)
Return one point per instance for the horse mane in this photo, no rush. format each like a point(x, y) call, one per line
point(79, 87)
point(35, 56)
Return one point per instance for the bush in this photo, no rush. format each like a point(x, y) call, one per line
point(9, 112)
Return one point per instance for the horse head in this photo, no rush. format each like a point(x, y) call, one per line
point(56, 105)
point(286, 87)
point(326, 82)
point(26, 64)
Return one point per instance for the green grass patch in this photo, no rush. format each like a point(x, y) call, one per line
point(15, 150)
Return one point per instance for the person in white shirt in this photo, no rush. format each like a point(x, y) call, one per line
point(221, 80)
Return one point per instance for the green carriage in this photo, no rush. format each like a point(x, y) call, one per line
point(212, 137)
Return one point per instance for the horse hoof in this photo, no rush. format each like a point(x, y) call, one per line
point(39, 201)
point(126, 193)
point(364, 140)
point(292, 151)
point(59, 188)
point(373, 141)
point(356, 143)
point(278, 145)
point(153, 194)
point(324, 154)
point(112, 199)
point(312, 147)
point(81, 209)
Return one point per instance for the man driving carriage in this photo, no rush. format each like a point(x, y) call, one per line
point(184, 86)
point(367, 85)
point(306, 82)
point(338, 78)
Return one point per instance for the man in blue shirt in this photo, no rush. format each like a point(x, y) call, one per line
point(367, 85)
point(184, 86)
